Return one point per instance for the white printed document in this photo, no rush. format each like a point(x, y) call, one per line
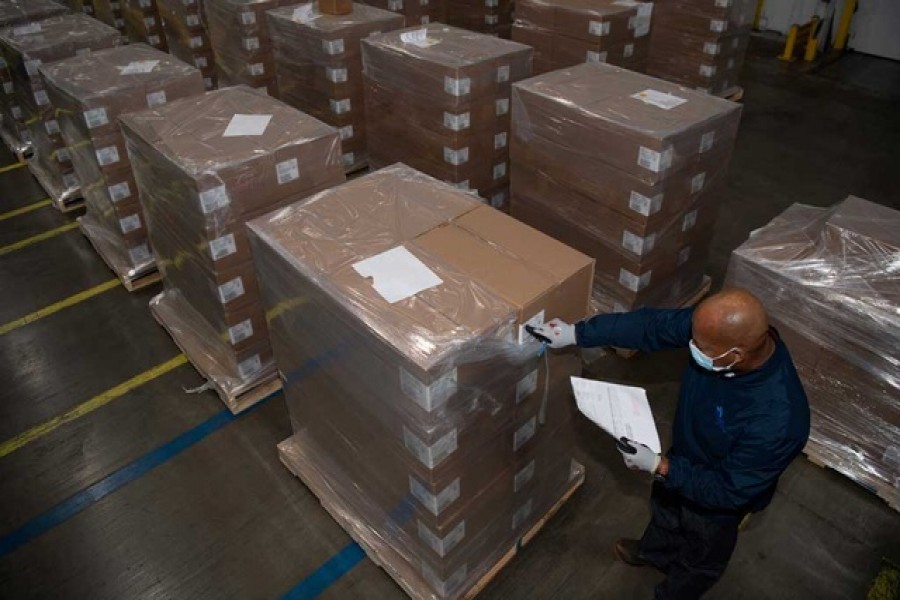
point(620, 410)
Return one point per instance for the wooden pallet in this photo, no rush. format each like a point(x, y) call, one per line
point(63, 205)
point(22, 152)
point(890, 495)
point(131, 283)
point(391, 561)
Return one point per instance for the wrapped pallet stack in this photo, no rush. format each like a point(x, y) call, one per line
point(25, 49)
point(89, 93)
point(203, 167)
point(452, 88)
point(416, 12)
point(143, 24)
point(110, 12)
point(626, 168)
point(318, 62)
point(83, 6)
point(565, 33)
point(184, 25)
point(701, 43)
point(423, 426)
point(494, 17)
point(828, 277)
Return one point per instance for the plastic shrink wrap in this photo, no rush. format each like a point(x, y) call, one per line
point(184, 24)
point(415, 12)
point(89, 93)
point(143, 23)
point(627, 169)
point(25, 49)
point(111, 13)
point(492, 17)
point(204, 166)
point(420, 421)
point(453, 89)
point(318, 63)
point(830, 282)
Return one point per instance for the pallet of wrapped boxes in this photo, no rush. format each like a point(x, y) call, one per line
point(110, 12)
point(89, 93)
point(204, 166)
point(184, 25)
point(396, 308)
point(493, 17)
point(829, 281)
point(318, 63)
point(26, 48)
point(143, 24)
point(415, 12)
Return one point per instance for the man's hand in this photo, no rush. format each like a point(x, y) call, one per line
point(560, 333)
point(638, 457)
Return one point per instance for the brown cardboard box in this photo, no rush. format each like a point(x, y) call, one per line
point(335, 7)
point(15, 13)
point(143, 23)
point(581, 19)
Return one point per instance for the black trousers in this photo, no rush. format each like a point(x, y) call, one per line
point(692, 549)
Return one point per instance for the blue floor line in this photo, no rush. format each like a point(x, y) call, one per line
point(321, 579)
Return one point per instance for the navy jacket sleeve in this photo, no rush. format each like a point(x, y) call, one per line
point(646, 329)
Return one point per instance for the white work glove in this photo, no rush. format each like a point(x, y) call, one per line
point(638, 457)
point(558, 333)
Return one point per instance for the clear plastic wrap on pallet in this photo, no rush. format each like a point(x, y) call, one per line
point(89, 93)
point(414, 12)
point(204, 166)
point(22, 12)
point(395, 305)
point(184, 24)
point(829, 279)
point(143, 24)
point(110, 12)
point(318, 64)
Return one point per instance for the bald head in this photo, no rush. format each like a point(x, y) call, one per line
point(732, 319)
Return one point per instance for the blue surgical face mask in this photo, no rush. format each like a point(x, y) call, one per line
point(707, 362)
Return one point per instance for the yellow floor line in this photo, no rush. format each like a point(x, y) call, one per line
point(12, 167)
point(37, 238)
point(26, 209)
point(58, 306)
point(11, 445)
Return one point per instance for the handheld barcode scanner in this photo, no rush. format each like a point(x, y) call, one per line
point(625, 447)
point(541, 338)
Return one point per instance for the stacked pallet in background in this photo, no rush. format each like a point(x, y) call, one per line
point(416, 12)
point(25, 48)
point(493, 17)
point(437, 98)
point(626, 168)
point(318, 62)
point(204, 166)
point(89, 93)
point(142, 23)
point(110, 12)
point(828, 278)
point(83, 6)
point(565, 33)
point(396, 306)
point(184, 24)
point(701, 43)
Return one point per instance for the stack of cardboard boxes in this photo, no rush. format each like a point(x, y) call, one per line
point(89, 93)
point(701, 43)
point(438, 99)
point(494, 17)
point(25, 49)
point(82, 6)
point(829, 282)
point(204, 166)
point(143, 24)
point(626, 168)
point(416, 12)
point(110, 12)
point(420, 422)
point(318, 62)
point(565, 33)
point(184, 24)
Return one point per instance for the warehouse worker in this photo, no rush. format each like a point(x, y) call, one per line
point(742, 416)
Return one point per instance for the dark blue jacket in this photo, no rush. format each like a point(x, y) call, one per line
point(734, 434)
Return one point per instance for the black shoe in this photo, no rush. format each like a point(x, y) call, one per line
point(628, 551)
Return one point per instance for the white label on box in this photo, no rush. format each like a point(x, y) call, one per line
point(52, 126)
point(536, 321)
point(149, 22)
point(653, 160)
point(348, 159)
point(395, 5)
point(397, 274)
point(240, 332)
point(891, 456)
point(457, 87)
point(491, 3)
point(598, 28)
point(120, 23)
point(435, 503)
point(711, 48)
point(735, 43)
point(214, 199)
point(287, 171)
point(230, 290)
point(718, 26)
point(207, 83)
point(248, 18)
point(442, 546)
point(634, 282)
point(425, 20)
point(628, 52)
point(430, 456)
point(723, 3)
point(632, 21)
point(503, 74)
point(27, 29)
point(457, 122)
point(498, 200)
point(263, 89)
point(305, 14)
point(196, 42)
point(200, 62)
point(524, 475)
point(456, 157)
point(524, 433)
point(31, 67)
point(491, 19)
point(444, 588)
point(62, 155)
point(432, 396)
point(684, 255)
point(139, 67)
point(697, 182)
point(145, 3)
point(130, 223)
point(333, 47)
point(707, 71)
point(346, 132)
point(690, 219)
point(107, 156)
point(500, 140)
point(417, 37)
point(257, 69)
point(153, 40)
point(119, 191)
point(637, 244)
point(340, 107)
point(336, 75)
point(499, 171)
point(115, 6)
point(526, 386)
point(642, 25)
point(460, 185)
point(8, 87)
point(155, 99)
point(17, 113)
point(502, 106)
point(645, 9)
point(223, 246)
point(730, 64)
point(192, 20)
point(707, 141)
point(250, 43)
point(247, 125)
point(659, 99)
point(139, 254)
point(250, 367)
point(40, 97)
point(522, 515)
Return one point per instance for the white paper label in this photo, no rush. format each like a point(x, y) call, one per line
point(149, 22)
point(120, 23)
point(346, 132)
point(70, 181)
point(153, 40)
point(444, 587)
point(460, 185)
point(526, 386)
point(196, 42)
point(28, 29)
point(250, 367)
point(499, 171)
point(598, 28)
point(500, 140)
point(417, 37)
point(8, 87)
point(659, 99)
point(643, 205)
point(491, 3)
point(207, 83)
point(192, 20)
point(145, 3)
point(502, 106)
point(524, 475)
point(707, 141)
point(637, 244)
point(257, 69)
point(230, 290)
point(62, 155)
point(442, 546)
point(305, 14)
point(723, 3)
point(52, 126)
point(240, 332)
point(456, 157)
point(40, 97)
point(735, 43)
point(628, 52)
point(333, 47)
point(155, 99)
point(430, 456)
point(432, 396)
point(107, 156)
point(247, 125)
point(130, 223)
point(522, 514)
point(653, 160)
point(214, 199)
point(139, 67)
point(634, 282)
point(425, 20)
point(456, 122)
point(707, 71)
point(395, 5)
point(498, 200)
point(287, 171)
point(697, 182)
point(718, 26)
point(503, 74)
point(730, 64)
point(223, 246)
point(340, 107)
point(17, 113)
point(200, 62)
point(593, 56)
point(684, 255)
point(491, 19)
point(248, 18)
point(336, 75)
point(250, 43)
point(535, 321)
point(711, 48)
point(139, 254)
point(397, 273)
point(119, 191)
point(690, 219)
point(457, 87)
point(645, 9)
point(31, 67)
point(435, 503)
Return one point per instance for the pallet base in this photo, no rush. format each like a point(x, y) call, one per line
point(22, 152)
point(890, 496)
point(63, 205)
point(391, 561)
point(134, 283)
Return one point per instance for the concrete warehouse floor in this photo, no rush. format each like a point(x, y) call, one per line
point(149, 492)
